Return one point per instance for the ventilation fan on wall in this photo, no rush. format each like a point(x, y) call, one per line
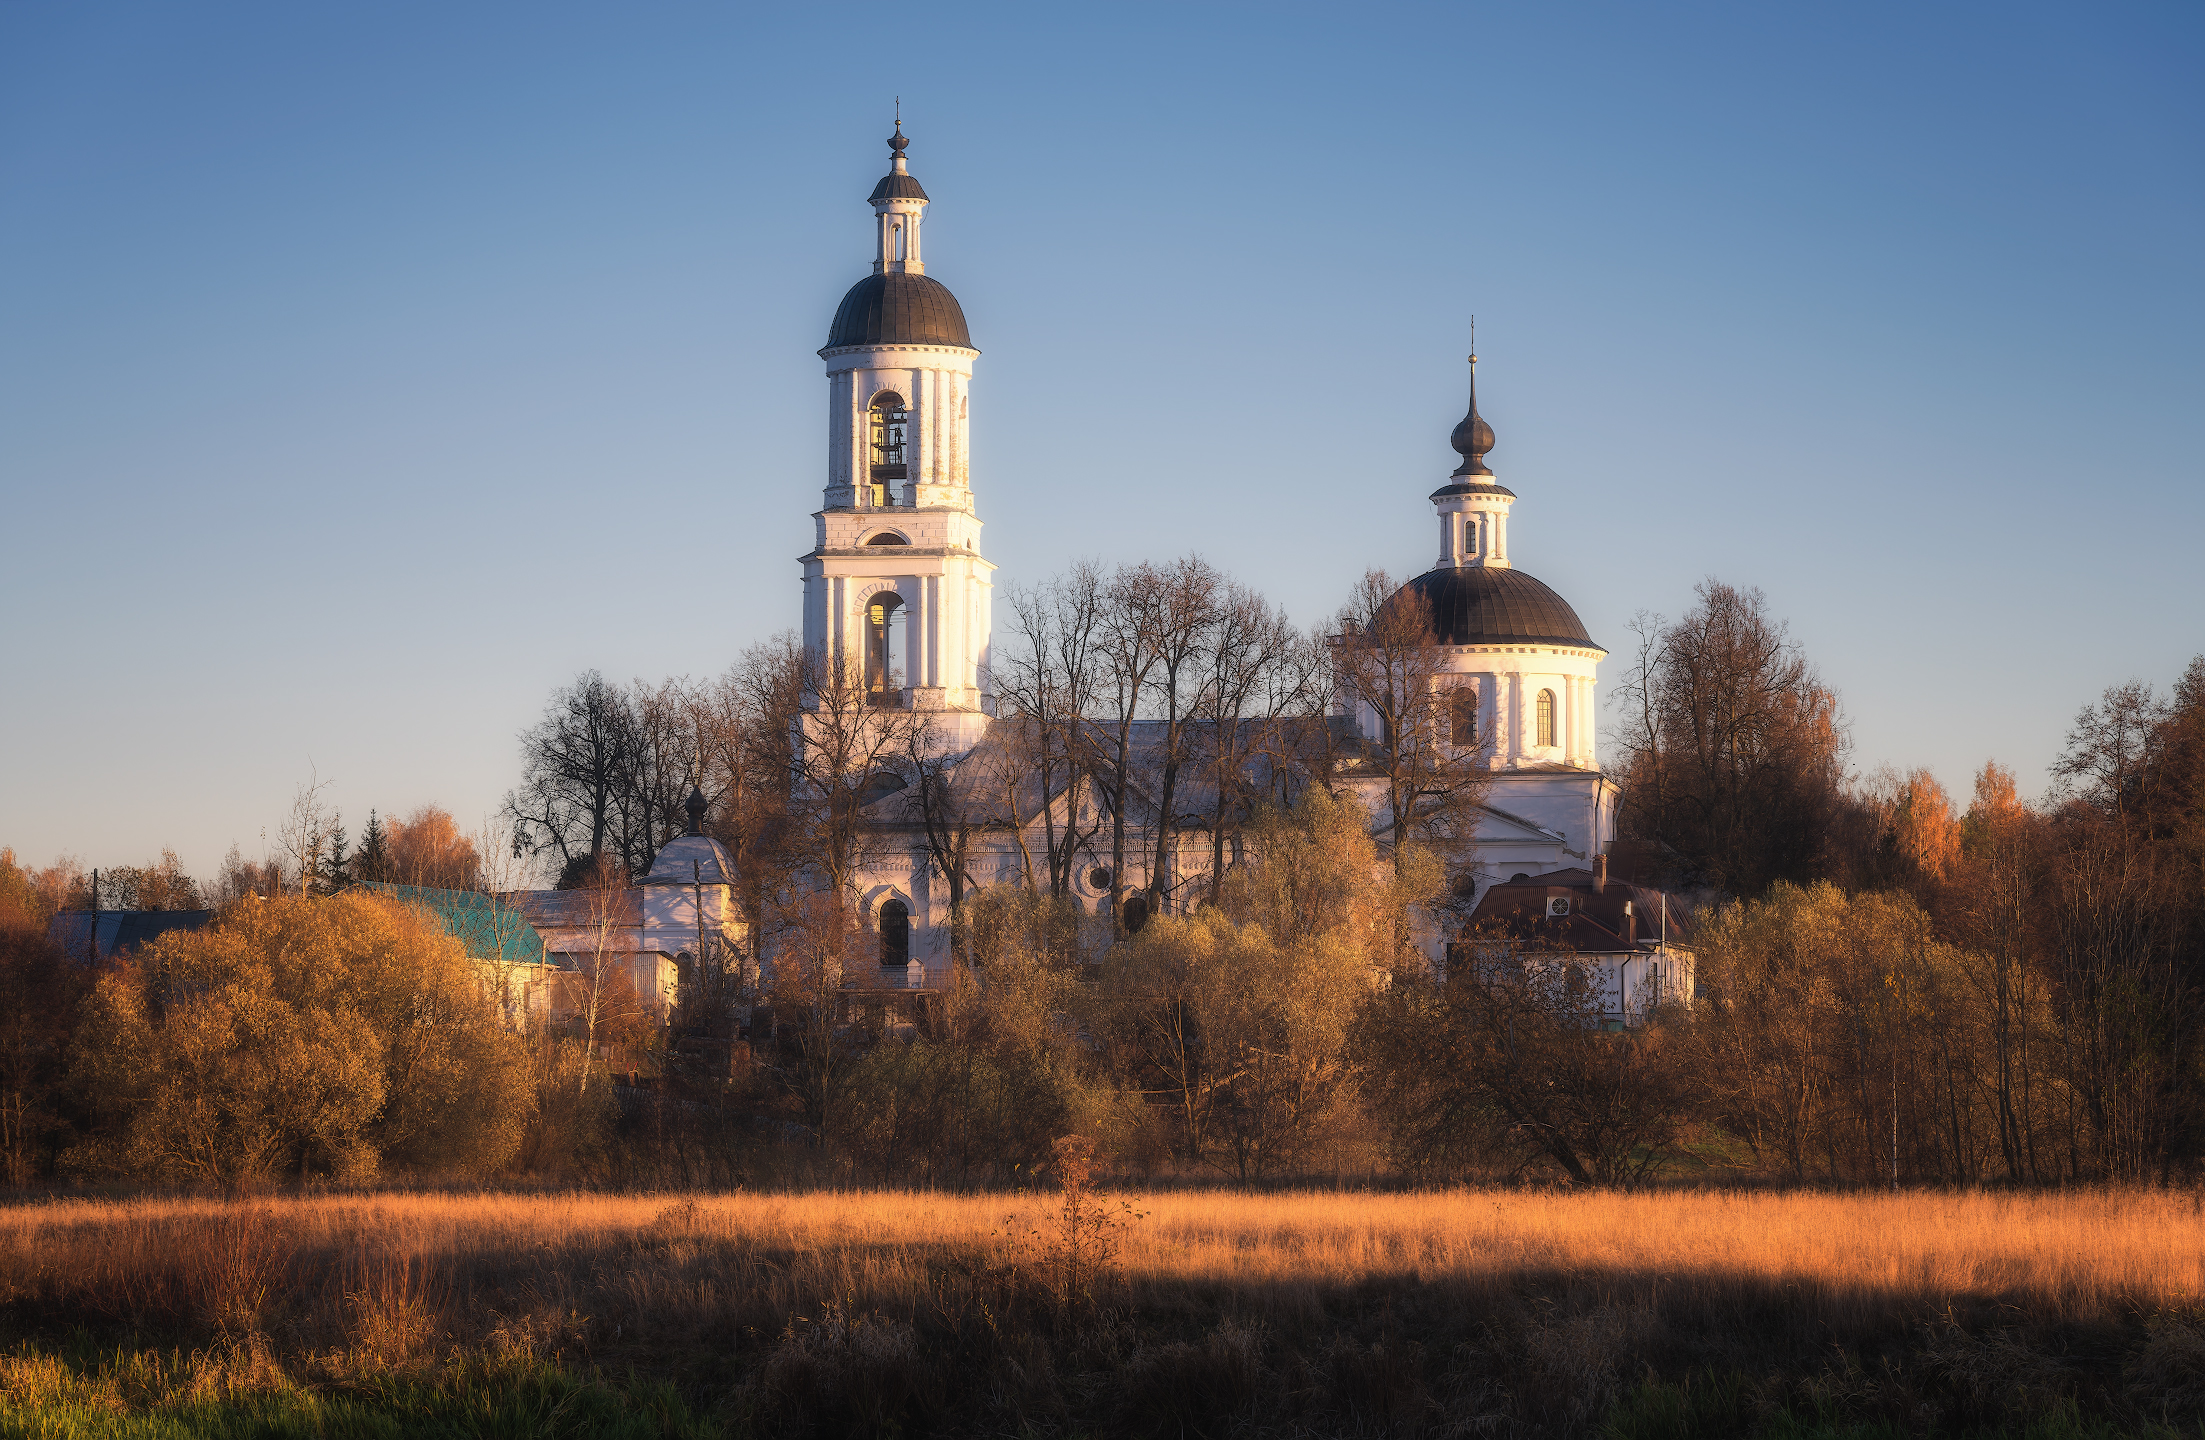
point(1557, 906)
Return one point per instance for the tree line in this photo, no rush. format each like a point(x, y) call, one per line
point(1891, 988)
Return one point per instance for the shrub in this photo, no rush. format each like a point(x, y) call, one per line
point(330, 1035)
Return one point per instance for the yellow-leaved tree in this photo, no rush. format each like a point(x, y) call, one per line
point(1239, 1013)
point(1839, 1037)
point(312, 1035)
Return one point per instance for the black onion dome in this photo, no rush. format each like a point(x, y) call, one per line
point(1472, 439)
point(1480, 604)
point(899, 308)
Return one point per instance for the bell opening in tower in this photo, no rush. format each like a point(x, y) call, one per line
point(884, 651)
point(895, 933)
point(890, 422)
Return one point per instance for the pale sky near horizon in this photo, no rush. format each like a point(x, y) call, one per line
point(368, 371)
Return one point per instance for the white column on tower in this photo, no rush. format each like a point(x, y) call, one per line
point(928, 621)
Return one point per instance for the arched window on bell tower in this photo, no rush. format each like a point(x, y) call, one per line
point(890, 422)
point(884, 650)
point(1546, 717)
point(895, 933)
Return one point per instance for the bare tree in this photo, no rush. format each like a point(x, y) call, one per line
point(501, 868)
point(846, 750)
point(1185, 609)
point(163, 885)
point(1047, 682)
point(575, 763)
point(240, 877)
point(307, 831)
point(1130, 629)
point(664, 766)
point(1387, 661)
point(1504, 1059)
point(745, 723)
point(1732, 745)
point(2109, 750)
point(609, 1001)
point(818, 938)
point(1260, 676)
point(953, 794)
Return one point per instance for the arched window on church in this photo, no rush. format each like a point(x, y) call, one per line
point(895, 933)
point(1546, 717)
point(888, 537)
point(1463, 718)
point(884, 650)
point(890, 422)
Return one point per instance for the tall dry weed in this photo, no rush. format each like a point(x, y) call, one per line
point(216, 1270)
point(845, 1370)
point(394, 1302)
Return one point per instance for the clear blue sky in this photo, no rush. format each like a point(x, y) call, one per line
point(366, 371)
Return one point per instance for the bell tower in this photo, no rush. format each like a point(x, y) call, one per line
point(895, 587)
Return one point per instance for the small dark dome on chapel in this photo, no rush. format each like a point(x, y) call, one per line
point(896, 187)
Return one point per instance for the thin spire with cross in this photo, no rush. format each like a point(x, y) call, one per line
point(1472, 438)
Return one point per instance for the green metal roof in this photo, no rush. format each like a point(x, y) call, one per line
point(486, 925)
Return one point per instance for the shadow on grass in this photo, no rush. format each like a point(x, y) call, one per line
point(676, 1330)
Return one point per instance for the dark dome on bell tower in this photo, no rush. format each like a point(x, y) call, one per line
point(1472, 438)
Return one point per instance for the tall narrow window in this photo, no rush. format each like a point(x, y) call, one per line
point(1465, 718)
point(889, 422)
point(895, 933)
point(884, 650)
point(1546, 717)
point(1470, 534)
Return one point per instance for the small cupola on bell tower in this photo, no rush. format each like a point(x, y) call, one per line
point(899, 207)
point(1472, 505)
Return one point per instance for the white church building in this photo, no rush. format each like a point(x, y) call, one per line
point(896, 582)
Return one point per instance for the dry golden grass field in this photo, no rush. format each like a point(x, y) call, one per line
point(1190, 1312)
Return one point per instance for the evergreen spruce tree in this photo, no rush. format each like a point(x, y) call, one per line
point(336, 869)
point(372, 862)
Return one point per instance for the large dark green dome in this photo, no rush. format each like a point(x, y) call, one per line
point(898, 308)
point(1486, 604)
